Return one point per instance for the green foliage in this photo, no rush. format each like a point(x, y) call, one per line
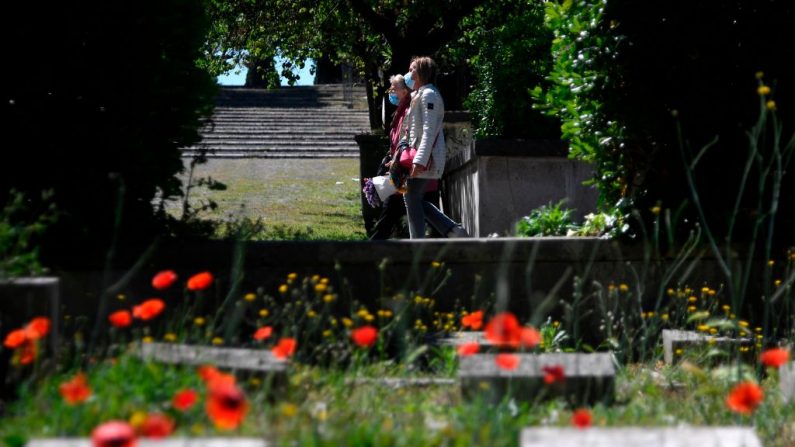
point(106, 144)
point(547, 220)
point(19, 229)
point(581, 52)
point(507, 48)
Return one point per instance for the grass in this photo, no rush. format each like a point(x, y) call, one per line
point(293, 198)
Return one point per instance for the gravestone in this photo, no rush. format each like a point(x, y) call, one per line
point(170, 442)
point(402, 382)
point(675, 340)
point(640, 436)
point(588, 378)
point(22, 299)
point(259, 361)
point(786, 377)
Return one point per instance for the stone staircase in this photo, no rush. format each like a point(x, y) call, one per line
point(317, 121)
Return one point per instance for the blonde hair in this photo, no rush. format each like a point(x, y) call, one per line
point(425, 68)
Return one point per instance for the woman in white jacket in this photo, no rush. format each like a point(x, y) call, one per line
point(424, 128)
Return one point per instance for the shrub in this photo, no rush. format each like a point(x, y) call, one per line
point(19, 229)
point(99, 117)
point(547, 220)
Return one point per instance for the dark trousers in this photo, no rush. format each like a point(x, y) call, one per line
point(392, 211)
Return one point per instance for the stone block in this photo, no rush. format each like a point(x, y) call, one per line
point(786, 377)
point(402, 382)
point(253, 361)
point(640, 436)
point(171, 442)
point(589, 378)
point(457, 339)
point(674, 340)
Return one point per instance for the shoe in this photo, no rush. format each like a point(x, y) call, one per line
point(456, 232)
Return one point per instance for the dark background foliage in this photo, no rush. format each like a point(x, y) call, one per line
point(698, 59)
point(105, 94)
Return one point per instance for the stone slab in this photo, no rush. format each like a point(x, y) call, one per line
point(676, 339)
point(786, 377)
point(233, 358)
point(457, 339)
point(640, 436)
point(403, 382)
point(171, 442)
point(589, 378)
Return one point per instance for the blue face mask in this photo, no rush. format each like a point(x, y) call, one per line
point(393, 98)
point(409, 81)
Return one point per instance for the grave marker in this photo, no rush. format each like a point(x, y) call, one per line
point(640, 436)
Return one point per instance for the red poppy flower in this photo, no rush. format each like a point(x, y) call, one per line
point(200, 281)
point(553, 374)
point(581, 418)
point(504, 330)
point(365, 336)
point(284, 349)
point(745, 397)
point(157, 426)
point(263, 333)
point(473, 320)
point(113, 434)
point(37, 328)
point(775, 357)
point(529, 337)
point(120, 318)
point(507, 361)
point(76, 390)
point(468, 349)
point(184, 399)
point(211, 374)
point(28, 352)
point(226, 406)
point(149, 309)
point(164, 279)
point(15, 339)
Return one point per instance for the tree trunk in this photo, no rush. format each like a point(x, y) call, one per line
point(262, 74)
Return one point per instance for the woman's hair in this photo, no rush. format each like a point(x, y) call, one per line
point(398, 79)
point(426, 69)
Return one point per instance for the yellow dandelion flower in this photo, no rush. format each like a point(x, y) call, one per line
point(655, 210)
point(436, 264)
point(369, 318)
point(320, 288)
point(611, 287)
point(172, 337)
point(329, 298)
point(713, 331)
point(327, 333)
point(759, 336)
point(292, 276)
point(650, 314)
point(732, 316)
point(347, 322)
point(771, 263)
point(283, 289)
point(692, 299)
point(147, 339)
point(763, 90)
point(679, 351)
point(311, 313)
point(757, 329)
point(255, 381)
point(703, 327)
point(137, 419)
point(712, 341)
point(777, 283)
point(556, 324)
point(760, 74)
point(743, 323)
point(623, 288)
point(324, 281)
point(670, 292)
point(199, 321)
point(726, 308)
point(705, 290)
point(362, 313)
point(758, 345)
point(771, 105)
point(691, 308)
point(250, 297)
point(217, 341)
point(289, 410)
point(418, 299)
point(712, 292)
point(315, 278)
point(333, 321)
point(792, 256)
point(643, 314)
point(664, 317)
point(121, 297)
point(263, 313)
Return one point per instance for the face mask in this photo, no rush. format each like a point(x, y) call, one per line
point(409, 81)
point(393, 98)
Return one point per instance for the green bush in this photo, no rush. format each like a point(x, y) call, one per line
point(547, 220)
point(19, 229)
point(508, 52)
point(100, 114)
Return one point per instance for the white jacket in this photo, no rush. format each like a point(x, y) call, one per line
point(424, 123)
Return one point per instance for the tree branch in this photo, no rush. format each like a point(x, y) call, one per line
point(380, 24)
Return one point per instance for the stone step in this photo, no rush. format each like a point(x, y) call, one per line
point(288, 145)
point(278, 132)
point(282, 154)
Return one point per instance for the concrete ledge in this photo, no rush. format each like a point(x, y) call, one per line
point(170, 442)
point(640, 436)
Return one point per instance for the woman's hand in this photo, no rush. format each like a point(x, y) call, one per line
point(417, 170)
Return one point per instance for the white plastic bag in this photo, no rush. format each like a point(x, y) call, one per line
point(384, 186)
